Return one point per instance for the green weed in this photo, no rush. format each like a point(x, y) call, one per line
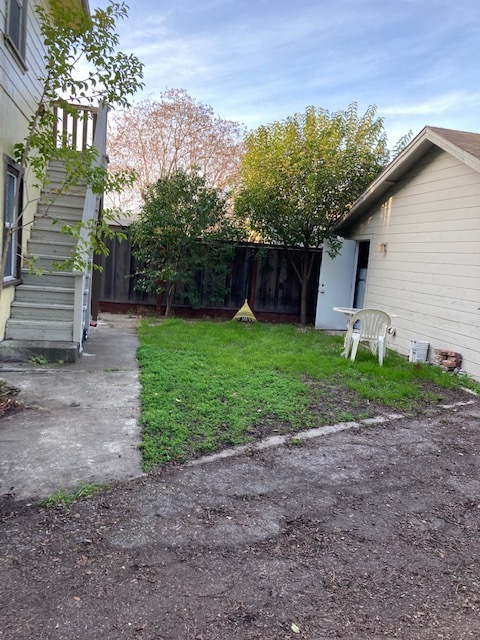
point(296, 442)
point(65, 499)
point(345, 416)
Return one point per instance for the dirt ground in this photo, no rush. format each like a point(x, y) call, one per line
point(369, 533)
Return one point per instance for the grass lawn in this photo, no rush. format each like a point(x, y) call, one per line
point(210, 385)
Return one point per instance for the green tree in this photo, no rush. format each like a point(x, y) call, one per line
point(75, 40)
point(299, 176)
point(182, 229)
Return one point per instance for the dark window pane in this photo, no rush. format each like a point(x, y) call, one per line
point(10, 195)
point(16, 18)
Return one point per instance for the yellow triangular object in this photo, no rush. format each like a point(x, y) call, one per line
point(244, 314)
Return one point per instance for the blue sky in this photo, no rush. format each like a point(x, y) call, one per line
point(257, 61)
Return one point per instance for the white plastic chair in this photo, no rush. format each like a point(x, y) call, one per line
point(373, 327)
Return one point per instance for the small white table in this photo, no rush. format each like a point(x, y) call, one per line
point(349, 312)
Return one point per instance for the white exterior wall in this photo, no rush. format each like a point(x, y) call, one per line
point(430, 274)
point(20, 91)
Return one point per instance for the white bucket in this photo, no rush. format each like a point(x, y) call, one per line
point(418, 351)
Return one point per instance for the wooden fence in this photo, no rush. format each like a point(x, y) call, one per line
point(262, 274)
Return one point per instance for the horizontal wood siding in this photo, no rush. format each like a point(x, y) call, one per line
point(20, 91)
point(430, 274)
point(21, 85)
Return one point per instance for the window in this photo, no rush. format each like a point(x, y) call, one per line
point(12, 265)
point(16, 26)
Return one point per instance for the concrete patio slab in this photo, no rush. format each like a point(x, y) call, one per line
point(81, 421)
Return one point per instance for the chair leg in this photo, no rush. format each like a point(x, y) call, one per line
point(346, 346)
point(347, 343)
point(355, 342)
point(381, 349)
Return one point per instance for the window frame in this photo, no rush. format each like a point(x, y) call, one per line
point(15, 34)
point(13, 267)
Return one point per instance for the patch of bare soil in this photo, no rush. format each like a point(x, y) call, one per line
point(335, 399)
point(365, 534)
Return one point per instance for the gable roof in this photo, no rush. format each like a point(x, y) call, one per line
point(462, 145)
point(469, 142)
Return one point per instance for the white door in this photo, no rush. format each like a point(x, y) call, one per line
point(336, 286)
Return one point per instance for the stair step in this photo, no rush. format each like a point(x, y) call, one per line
point(64, 200)
point(63, 279)
point(54, 223)
point(47, 225)
point(22, 329)
point(41, 310)
point(51, 225)
point(56, 165)
point(72, 189)
point(55, 212)
point(51, 236)
point(57, 183)
point(55, 248)
point(51, 350)
point(47, 261)
point(39, 293)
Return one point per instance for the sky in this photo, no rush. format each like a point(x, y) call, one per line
point(259, 61)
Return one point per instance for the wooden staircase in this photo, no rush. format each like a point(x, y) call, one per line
point(42, 315)
point(50, 314)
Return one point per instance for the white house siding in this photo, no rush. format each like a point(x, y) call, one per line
point(430, 274)
point(20, 91)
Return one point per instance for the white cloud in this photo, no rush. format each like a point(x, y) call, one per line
point(437, 105)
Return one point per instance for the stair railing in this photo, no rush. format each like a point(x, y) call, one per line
point(83, 279)
point(75, 126)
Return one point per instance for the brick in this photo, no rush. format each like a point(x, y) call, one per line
point(451, 364)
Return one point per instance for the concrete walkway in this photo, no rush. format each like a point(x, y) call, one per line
point(81, 424)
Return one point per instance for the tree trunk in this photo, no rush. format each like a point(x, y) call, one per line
point(304, 277)
point(170, 296)
point(303, 274)
point(303, 299)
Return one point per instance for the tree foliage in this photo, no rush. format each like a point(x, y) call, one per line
point(156, 138)
point(74, 41)
point(182, 229)
point(299, 176)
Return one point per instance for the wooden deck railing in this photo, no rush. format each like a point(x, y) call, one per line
point(75, 129)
